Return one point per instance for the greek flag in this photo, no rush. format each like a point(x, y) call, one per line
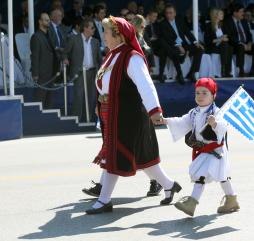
point(238, 111)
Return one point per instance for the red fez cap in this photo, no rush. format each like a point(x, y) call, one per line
point(208, 83)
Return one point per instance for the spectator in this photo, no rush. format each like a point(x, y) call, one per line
point(124, 12)
point(132, 6)
point(240, 37)
point(99, 14)
point(57, 36)
point(129, 16)
point(76, 27)
point(249, 19)
point(3, 30)
point(76, 11)
point(139, 24)
point(160, 8)
point(218, 42)
point(56, 4)
point(151, 31)
point(42, 58)
point(173, 42)
point(189, 22)
point(83, 50)
point(141, 10)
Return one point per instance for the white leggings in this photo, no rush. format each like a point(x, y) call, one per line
point(153, 172)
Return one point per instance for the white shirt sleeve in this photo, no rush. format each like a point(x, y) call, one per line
point(179, 126)
point(138, 72)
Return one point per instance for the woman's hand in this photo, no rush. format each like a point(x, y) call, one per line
point(157, 118)
point(211, 121)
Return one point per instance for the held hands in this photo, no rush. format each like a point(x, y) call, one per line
point(199, 45)
point(211, 121)
point(157, 118)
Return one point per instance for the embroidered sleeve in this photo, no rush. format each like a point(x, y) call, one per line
point(138, 72)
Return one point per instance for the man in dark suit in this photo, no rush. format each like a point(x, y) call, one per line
point(99, 14)
point(57, 36)
point(83, 51)
point(76, 11)
point(173, 37)
point(151, 31)
point(42, 57)
point(240, 38)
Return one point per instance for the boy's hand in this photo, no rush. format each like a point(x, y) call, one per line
point(211, 121)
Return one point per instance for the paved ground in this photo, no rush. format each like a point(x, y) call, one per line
point(40, 194)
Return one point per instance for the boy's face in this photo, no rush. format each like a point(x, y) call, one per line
point(203, 96)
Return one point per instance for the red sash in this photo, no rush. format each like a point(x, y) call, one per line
point(205, 149)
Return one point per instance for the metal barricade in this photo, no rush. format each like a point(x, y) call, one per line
point(86, 96)
point(3, 63)
point(65, 90)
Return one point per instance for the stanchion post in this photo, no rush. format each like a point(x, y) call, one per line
point(3, 63)
point(86, 95)
point(65, 90)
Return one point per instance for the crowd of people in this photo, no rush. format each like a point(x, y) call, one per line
point(75, 38)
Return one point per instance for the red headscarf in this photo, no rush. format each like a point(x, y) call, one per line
point(208, 83)
point(128, 31)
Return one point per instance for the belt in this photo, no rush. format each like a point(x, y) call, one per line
point(103, 98)
point(93, 68)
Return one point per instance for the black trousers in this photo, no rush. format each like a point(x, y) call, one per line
point(174, 54)
point(42, 95)
point(225, 50)
point(240, 52)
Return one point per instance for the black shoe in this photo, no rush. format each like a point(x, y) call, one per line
point(180, 79)
point(161, 78)
point(155, 189)
point(176, 188)
point(93, 191)
point(251, 74)
point(242, 74)
point(191, 77)
point(106, 208)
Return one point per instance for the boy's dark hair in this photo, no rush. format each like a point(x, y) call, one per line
point(85, 23)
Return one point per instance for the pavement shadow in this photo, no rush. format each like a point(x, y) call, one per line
point(188, 228)
point(70, 219)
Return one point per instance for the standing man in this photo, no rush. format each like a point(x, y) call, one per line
point(42, 59)
point(83, 50)
point(57, 37)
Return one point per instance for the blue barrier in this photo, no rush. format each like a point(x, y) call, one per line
point(10, 118)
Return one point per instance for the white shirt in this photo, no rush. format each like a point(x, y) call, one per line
point(55, 28)
point(88, 57)
point(241, 26)
point(178, 39)
point(140, 77)
point(100, 30)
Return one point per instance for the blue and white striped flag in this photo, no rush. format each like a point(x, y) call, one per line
point(239, 112)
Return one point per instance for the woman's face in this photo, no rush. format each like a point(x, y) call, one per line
point(110, 41)
point(203, 96)
point(220, 15)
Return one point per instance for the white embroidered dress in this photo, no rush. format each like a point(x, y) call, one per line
point(205, 164)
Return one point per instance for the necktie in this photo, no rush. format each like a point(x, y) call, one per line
point(60, 37)
point(240, 32)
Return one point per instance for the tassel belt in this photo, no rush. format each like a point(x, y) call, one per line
point(103, 98)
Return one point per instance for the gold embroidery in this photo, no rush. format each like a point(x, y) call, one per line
point(102, 71)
